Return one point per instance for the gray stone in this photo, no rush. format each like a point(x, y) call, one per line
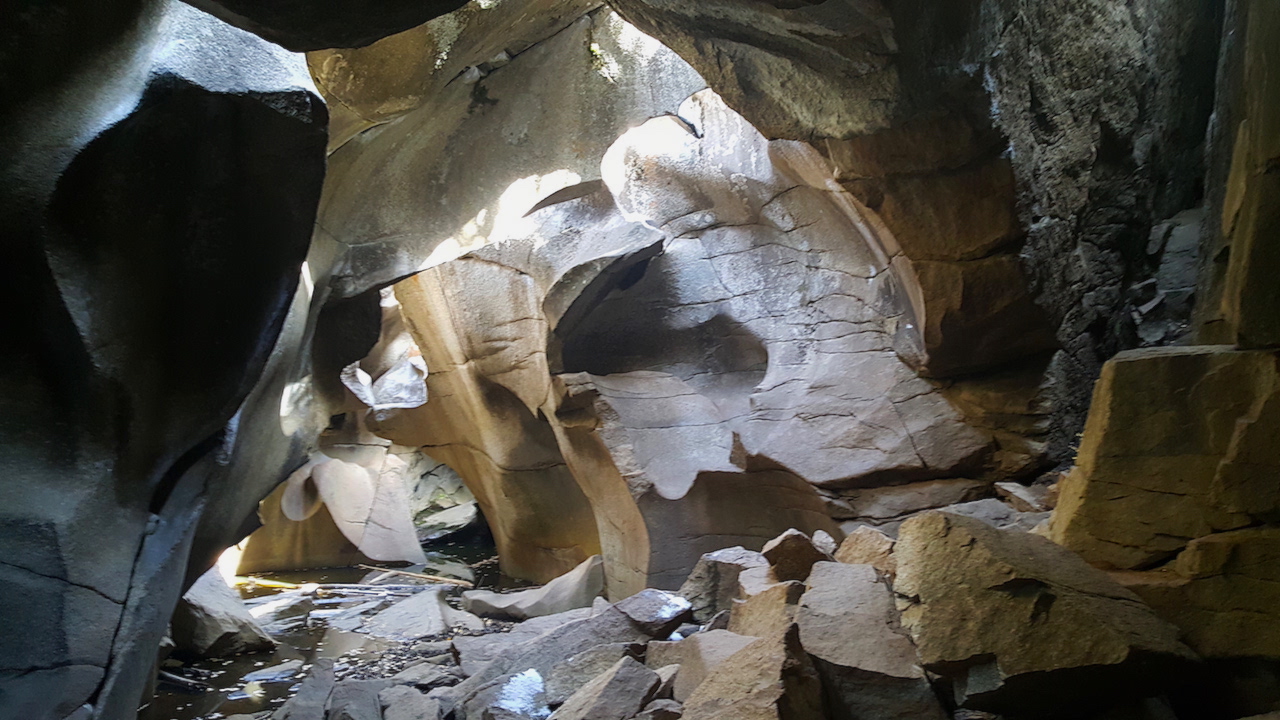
point(474, 653)
point(656, 612)
point(569, 676)
point(617, 694)
point(427, 676)
point(713, 584)
point(421, 615)
point(312, 697)
point(575, 589)
point(356, 700)
point(998, 514)
point(664, 709)
point(212, 621)
point(405, 703)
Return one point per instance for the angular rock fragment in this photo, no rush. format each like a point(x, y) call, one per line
point(1022, 497)
point(519, 696)
point(312, 697)
point(405, 703)
point(569, 676)
point(426, 676)
point(696, 657)
point(662, 710)
point(212, 621)
point(868, 546)
point(791, 554)
point(421, 615)
point(770, 679)
point(356, 700)
point(869, 669)
point(1021, 625)
point(998, 515)
point(474, 653)
point(713, 584)
point(656, 612)
point(540, 655)
point(768, 612)
point(883, 504)
point(575, 589)
point(617, 694)
point(667, 674)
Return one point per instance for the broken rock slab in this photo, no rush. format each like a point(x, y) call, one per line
point(313, 695)
point(849, 625)
point(571, 675)
point(768, 612)
point(791, 554)
point(772, 678)
point(356, 700)
point(421, 615)
point(696, 657)
point(1023, 626)
point(617, 694)
point(657, 612)
point(868, 546)
point(405, 703)
point(212, 621)
point(713, 584)
point(575, 589)
point(662, 710)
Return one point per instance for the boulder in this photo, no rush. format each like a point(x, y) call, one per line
point(868, 546)
point(1023, 626)
point(713, 584)
point(770, 679)
point(575, 589)
point(824, 542)
point(1169, 431)
point(212, 621)
point(697, 657)
point(1022, 498)
point(667, 674)
point(849, 626)
point(617, 694)
point(312, 698)
point(1222, 591)
point(421, 615)
point(356, 700)
point(406, 703)
point(569, 676)
point(791, 554)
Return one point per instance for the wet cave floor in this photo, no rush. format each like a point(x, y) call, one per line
point(254, 683)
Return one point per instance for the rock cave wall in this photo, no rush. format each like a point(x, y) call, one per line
point(876, 270)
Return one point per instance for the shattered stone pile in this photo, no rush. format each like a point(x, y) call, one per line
point(972, 621)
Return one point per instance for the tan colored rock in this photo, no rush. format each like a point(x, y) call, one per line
point(849, 625)
point(697, 655)
point(868, 546)
point(768, 612)
point(1163, 425)
point(791, 554)
point(770, 679)
point(963, 215)
point(1222, 591)
point(1021, 625)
